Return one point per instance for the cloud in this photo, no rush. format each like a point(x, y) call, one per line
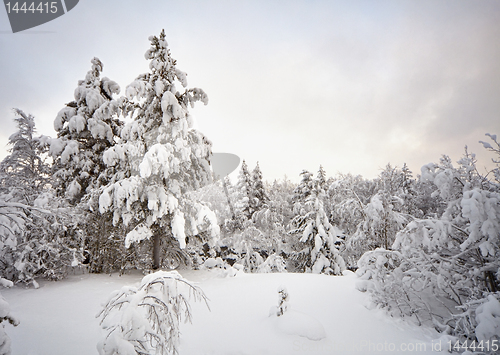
point(349, 85)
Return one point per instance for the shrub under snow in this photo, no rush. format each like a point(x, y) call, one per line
point(5, 316)
point(146, 320)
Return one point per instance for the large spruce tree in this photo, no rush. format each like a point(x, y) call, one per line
point(160, 159)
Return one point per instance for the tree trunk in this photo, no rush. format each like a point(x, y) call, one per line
point(156, 252)
point(490, 281)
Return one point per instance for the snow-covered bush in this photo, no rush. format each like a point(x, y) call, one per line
point(242, 243)
point(488, 319)
point(442, 269)
point(5, 316)
point(146, 319)
point(273, 263)
point(251, 259)
point(221, 267)
point(385, 274)
point(46, 246)
point(479, 319)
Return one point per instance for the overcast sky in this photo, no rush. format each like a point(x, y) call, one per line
point(351, 85)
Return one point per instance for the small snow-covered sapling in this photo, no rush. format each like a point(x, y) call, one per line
point(283, 301)
point(146, 320)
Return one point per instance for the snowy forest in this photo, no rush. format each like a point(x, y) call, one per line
point(126, 183)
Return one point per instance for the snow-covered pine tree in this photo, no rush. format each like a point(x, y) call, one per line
point(225, 183)
point(24, 172)
point(321, 178)
point(323, 183)
point(85, 128)
point(409, 193)
point(160, 159)
point(317, 251)
point(33, 235)
point(243, 192)
point(281, 194)
point(250, 192)
point(273, 218)
point(258, 199)
point(257, 233)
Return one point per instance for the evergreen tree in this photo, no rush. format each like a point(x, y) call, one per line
point(317, 237)
point(34, 237)
point(225, 183)
point(85, 128)
point(160, 159)
point(258, 197)
point(321, 178)
point(250, 195)
point(24, 172)
point(244, 190)
point(409, 193)
point(275, 216)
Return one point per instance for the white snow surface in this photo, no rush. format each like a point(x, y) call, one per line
point(59, 317)
point(293, 322)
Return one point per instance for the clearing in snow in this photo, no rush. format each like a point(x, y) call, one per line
point(324, 315)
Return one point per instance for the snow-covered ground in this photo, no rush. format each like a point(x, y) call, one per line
point(59, 317)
